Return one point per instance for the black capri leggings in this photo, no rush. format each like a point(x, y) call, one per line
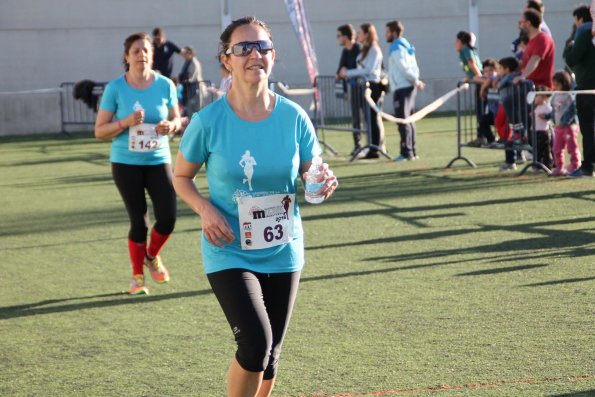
point(258, 307)
point(131, 181)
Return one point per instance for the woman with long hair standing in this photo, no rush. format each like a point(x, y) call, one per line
point(369, 66)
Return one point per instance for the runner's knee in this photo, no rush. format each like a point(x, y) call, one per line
point(165, 225)
point(254, 352)
point(138, 231)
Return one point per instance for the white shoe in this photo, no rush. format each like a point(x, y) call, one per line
point(508, 167)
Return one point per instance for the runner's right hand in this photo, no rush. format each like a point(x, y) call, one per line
point(215, 226)
point(136, 118)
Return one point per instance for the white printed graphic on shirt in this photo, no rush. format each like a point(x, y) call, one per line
point(248, 162)
point(142, 137)
point(137, 106)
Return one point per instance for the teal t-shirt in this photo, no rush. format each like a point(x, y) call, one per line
point(465, 55)
point(121, 99)
point(274, 148)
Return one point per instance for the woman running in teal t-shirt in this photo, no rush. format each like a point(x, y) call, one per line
point(255, 145)
point(138, 111)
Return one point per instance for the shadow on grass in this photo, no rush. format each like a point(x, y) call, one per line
point(92, 158)
point(356, 274)
point(563, 281)
point(63, 221)
point(366, 188)
point(584, 393)
point(122, 298)
point(395, 211)
point(552, 238)
point(501, 270)
point(84, 242)
point(58, 183)
point(33, 309)
point(55, 138)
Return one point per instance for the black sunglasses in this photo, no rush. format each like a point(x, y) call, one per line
point(245, 48)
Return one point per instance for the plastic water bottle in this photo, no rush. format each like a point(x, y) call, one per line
point(314, 182)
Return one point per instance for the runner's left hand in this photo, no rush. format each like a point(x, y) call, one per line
point(331, 183)
point(165, 127)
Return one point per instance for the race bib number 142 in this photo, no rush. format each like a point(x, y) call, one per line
point(143, 138)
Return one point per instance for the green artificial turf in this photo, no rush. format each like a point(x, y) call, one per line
point(419, 280)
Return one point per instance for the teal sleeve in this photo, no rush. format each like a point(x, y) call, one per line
point(173, 95)
point(308, 141)
point(108, 99)
point(464, 55)
point(194, 143)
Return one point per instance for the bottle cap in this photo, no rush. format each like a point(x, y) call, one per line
point(317, 160)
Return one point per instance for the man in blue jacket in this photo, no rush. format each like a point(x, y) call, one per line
point(403, 76)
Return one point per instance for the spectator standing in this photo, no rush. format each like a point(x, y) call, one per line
point(489, 108)
point(403, 76)
point(592, 9)
point(163, 53)
point(508, 71)
point(582, 20)
point(255, 144)
point(542, 129)
point(565, 126)
point(469, 58)
point(137, 112)
point(190, 75)
point(537, 63)
point(225, 83)
point(537, 5)
point(351, 49)
point(580, 57)
point(369, 66)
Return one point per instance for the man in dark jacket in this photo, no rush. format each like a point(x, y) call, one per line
point(351, 49)
point(163, 53)
point(580, 57)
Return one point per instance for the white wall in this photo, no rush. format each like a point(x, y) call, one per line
point(46, 42)
point(30, 113)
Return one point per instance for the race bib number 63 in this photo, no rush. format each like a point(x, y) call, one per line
point(266, 221)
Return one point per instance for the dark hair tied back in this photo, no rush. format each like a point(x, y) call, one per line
point(225, 38)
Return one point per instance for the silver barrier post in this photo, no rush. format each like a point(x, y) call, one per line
point(461, 114)
point(527, 101)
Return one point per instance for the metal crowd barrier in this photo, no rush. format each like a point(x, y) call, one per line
point(203, 95)
point(75, 112)
point(206, 94)
point(520, 113)
point(340, 106)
